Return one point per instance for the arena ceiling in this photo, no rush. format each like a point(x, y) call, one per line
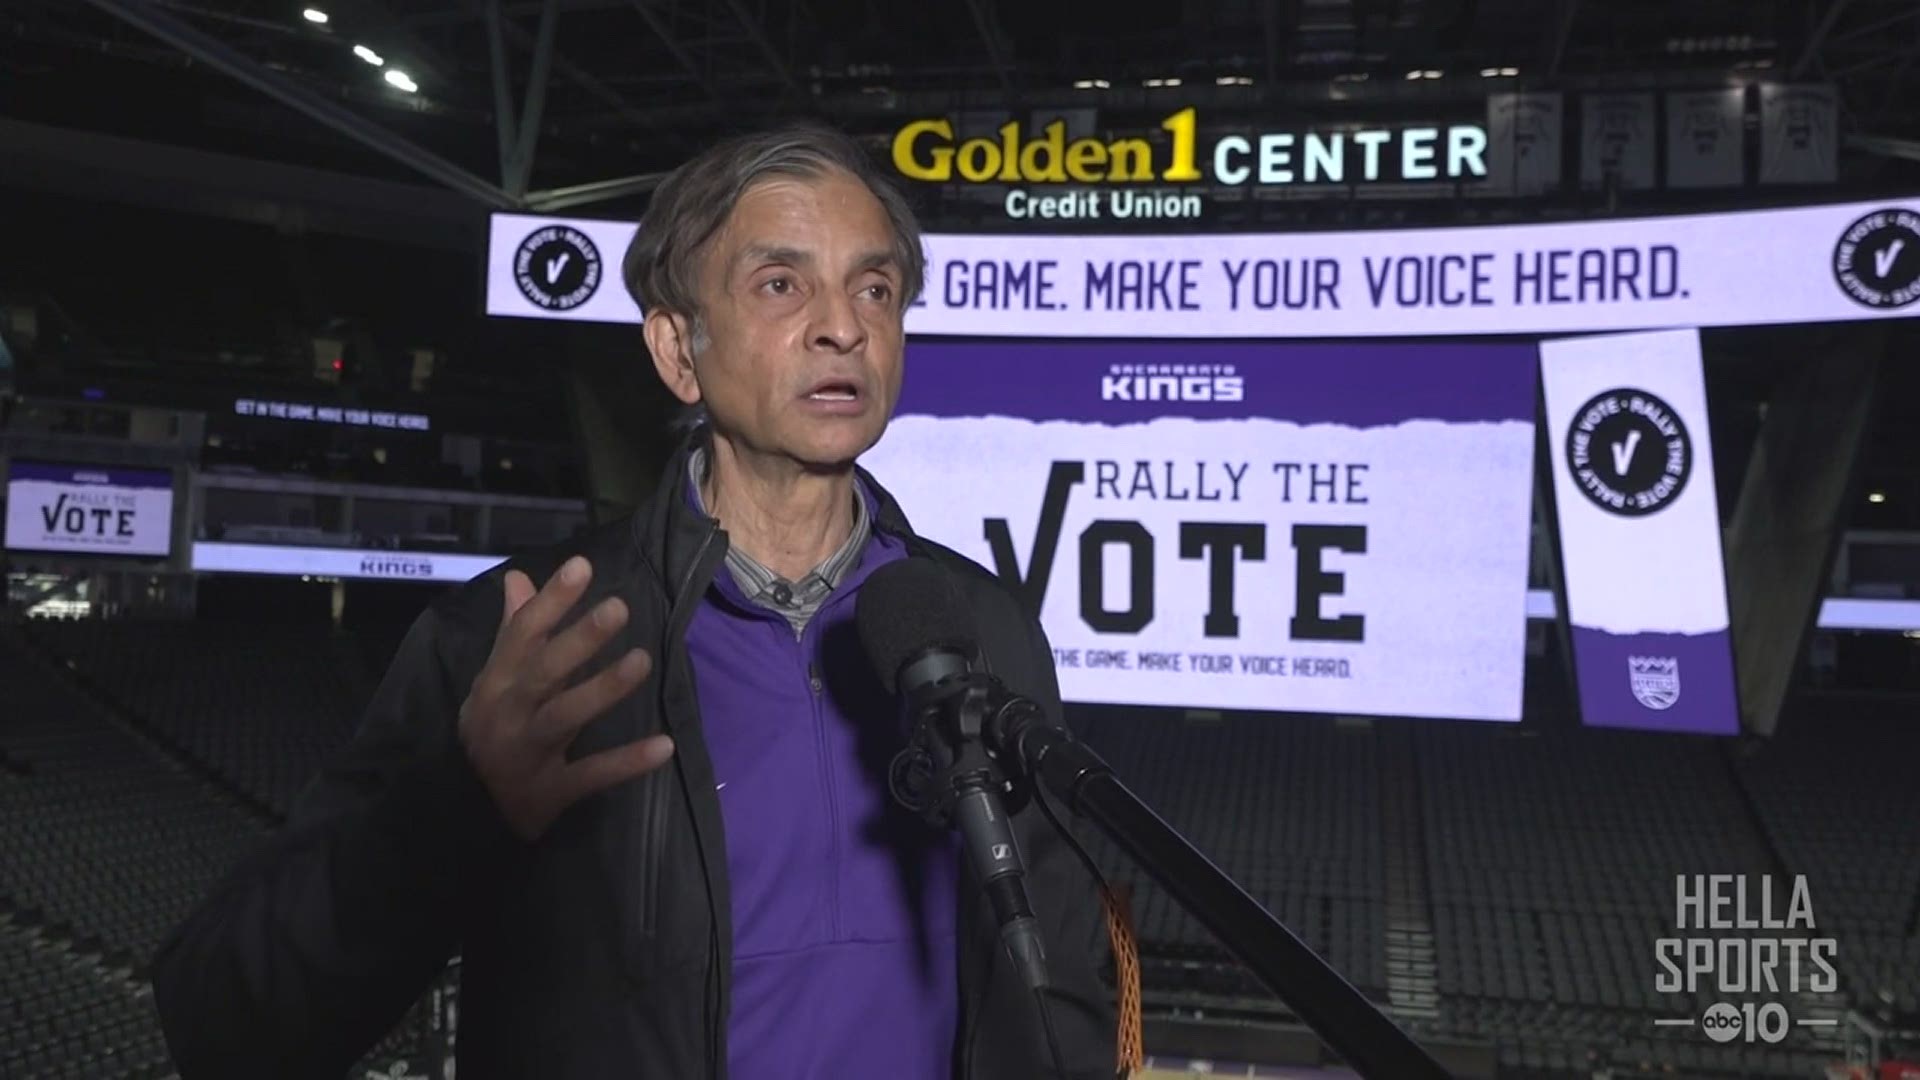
point(618, 90)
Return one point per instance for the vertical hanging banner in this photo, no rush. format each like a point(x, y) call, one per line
point(1523, 143)
point(1706, 139)
point(1616, 141)
point(1639, 524)
point(1799, 134)
point(1267, 526)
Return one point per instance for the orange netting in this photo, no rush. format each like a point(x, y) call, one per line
point(1126, 970)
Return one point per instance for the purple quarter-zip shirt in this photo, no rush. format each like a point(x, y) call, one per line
point(843, 903)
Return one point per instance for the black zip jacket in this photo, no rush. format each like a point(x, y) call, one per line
point(603, 949)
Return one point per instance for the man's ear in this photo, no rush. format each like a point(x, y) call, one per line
point(670, 342)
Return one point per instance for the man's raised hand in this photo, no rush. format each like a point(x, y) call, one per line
point(525, 708)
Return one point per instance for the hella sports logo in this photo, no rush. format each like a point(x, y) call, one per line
point(1172, 382)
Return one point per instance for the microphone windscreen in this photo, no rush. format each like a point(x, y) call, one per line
point(906, 608)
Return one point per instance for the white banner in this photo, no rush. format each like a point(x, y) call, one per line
point(1736, 269)
point(1799, 134)
point(92, 509)
point(1616, 141)
point(1706, 138)
point(1639, 526)
point(1236, 525)
point(216, 557)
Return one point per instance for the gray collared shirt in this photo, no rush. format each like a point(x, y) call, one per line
point(795, 601)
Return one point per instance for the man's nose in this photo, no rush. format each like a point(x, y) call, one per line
point(836, 325)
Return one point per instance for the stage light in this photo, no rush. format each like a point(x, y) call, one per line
point(399, 79)
point(368, 55)
point(315, 15)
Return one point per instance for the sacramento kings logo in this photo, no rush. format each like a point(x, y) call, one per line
point(1877, 261)
point(557, 268)
point(1655, 680)
point(1629, 452)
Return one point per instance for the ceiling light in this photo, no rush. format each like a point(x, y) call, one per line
point(1162, 82)
point(1877, 497)
point(1233, 80)
point(1091, 84)
point(315, 15)
point(399, 78)
point(368, 55)
point(1356, 76)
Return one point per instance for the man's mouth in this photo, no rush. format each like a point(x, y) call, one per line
point(834, 391)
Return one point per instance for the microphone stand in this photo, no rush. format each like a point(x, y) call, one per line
point(1019, 733)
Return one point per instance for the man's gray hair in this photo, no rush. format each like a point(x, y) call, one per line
point(662, 268)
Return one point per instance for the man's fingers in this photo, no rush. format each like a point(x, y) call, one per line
point(571, 709)
point(518, 590)
point(551, 665)
point(555, 598)
point(597, 772)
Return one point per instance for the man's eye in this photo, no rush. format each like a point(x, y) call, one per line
point(779, 286)
point(881, 291)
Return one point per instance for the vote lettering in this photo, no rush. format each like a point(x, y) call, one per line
point(1113, 545)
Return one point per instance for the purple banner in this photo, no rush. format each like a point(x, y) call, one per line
point(90, 474)
point(1656, 682)
point(1136, 381)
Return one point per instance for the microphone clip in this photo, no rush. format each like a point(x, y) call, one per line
point(949, 750)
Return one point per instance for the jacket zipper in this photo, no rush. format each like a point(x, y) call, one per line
point(815, 685)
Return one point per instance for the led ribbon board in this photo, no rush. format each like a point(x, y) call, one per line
point(1806, 264)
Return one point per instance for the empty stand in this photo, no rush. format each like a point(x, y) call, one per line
point(1836, 790)
point(113, 837)
point(262, 705)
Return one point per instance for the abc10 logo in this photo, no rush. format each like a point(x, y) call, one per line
point(1724, 1022)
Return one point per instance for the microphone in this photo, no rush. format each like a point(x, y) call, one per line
point(919, 634)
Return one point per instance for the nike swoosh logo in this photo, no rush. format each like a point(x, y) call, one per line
point(557, 264)
point(1884, 258)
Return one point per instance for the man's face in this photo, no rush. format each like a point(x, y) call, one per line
point(801, 302)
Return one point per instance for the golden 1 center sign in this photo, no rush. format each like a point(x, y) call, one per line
point(1125, 178)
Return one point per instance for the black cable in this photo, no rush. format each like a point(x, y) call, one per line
point(1053, 1036)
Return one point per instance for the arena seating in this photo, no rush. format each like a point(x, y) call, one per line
point(1553, 860)
point(111, 840)
point(1308, 846)
point(1837, 793)
point(260, 705)
point(139, 760)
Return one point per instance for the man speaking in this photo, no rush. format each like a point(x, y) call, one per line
point(639, 785)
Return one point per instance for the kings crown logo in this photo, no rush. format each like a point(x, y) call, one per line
point(1656, 680)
